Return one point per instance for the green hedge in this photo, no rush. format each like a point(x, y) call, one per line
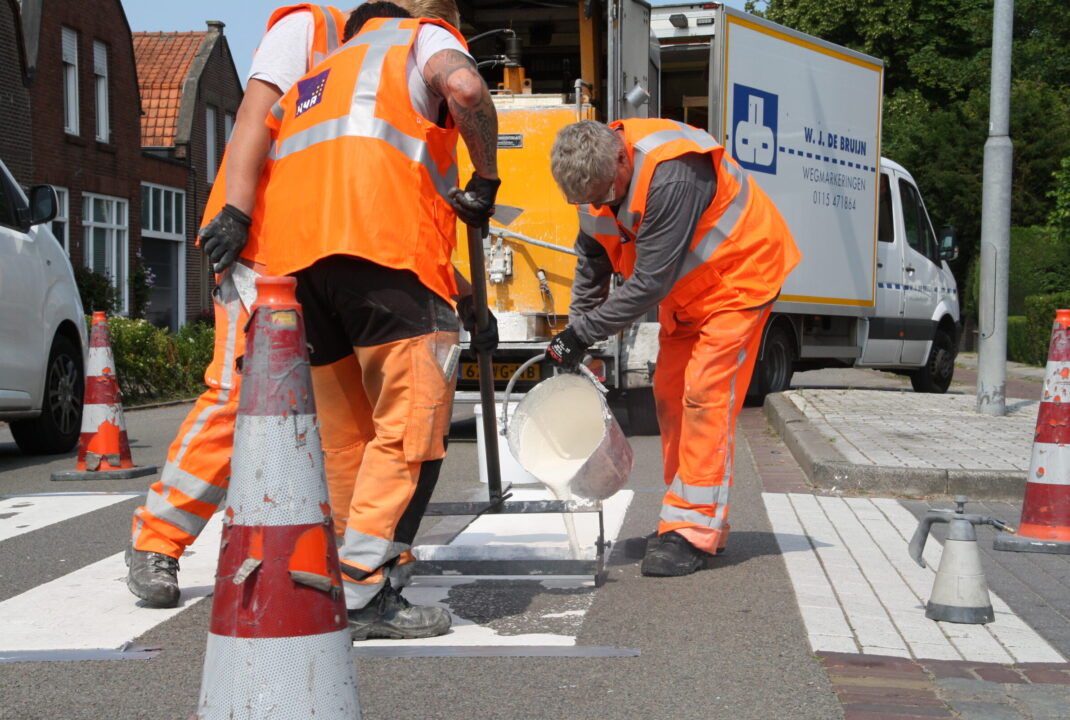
point(1039, 315)
point(153, 365)
point(1039, 259)
point(1018, 339)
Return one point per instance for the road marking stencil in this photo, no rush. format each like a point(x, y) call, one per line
point(859, 590)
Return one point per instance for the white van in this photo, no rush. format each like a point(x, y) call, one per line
point(42, 326)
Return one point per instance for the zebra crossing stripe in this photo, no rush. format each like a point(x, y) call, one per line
point(29, 622)
point(21, 514)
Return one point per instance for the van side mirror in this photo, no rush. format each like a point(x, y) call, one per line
point(43, 204)
point(949, 247)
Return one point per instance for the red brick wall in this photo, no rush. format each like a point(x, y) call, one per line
point(15, 145)
point(219, 87)
point(81, 163)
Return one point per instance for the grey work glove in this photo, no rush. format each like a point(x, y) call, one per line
point(475, 204)
point(485, 341)
point(224, 238)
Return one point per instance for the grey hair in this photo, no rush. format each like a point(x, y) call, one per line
point(584, 154)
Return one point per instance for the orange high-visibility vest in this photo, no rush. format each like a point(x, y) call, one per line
point(328, 26)
point(357, 170)
point(742, 249)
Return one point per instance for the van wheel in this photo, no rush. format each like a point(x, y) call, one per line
point(936, 376)
point(57, 428)
point(642, 412)
point(774, 369)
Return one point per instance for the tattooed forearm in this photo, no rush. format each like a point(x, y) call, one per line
point(453, 76)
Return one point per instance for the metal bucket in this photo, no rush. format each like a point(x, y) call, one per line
point(564, 434)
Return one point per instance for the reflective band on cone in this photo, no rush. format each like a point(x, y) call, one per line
point(1045, 522)
point(279, 643)
point(103, 446)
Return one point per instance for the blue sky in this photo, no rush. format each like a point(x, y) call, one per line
point(245, 20)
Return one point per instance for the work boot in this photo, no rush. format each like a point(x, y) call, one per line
point(153, 577)
point(670, 555)
point(389, 615)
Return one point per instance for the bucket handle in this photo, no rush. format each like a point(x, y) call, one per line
point(584, 370)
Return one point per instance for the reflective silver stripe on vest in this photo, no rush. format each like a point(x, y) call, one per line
point(593, 224)
point(625, 215)
point(713, 238)
point(699, 494)
point(361, 120)
point(332, 29)
point(277, 111)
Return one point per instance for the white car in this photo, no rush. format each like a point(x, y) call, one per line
point(42, 326)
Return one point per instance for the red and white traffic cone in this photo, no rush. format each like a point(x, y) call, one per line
point(278, 643)
point(103, 448)
point(1045, 523)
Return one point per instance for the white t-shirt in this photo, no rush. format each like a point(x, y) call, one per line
point(282, 58)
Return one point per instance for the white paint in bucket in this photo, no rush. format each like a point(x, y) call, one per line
point(557, 436)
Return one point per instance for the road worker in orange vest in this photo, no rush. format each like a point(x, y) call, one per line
point(361, 208)
point(664, 205)
point(194, 479)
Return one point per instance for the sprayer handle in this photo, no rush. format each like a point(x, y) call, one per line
point(917, 543)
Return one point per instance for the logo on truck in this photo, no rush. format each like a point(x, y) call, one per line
point(754, 128)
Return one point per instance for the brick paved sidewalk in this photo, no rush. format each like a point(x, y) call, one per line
point(874, 687)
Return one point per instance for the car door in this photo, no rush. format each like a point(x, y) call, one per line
point(21, 304)
point(884, 343)
point(921, 275)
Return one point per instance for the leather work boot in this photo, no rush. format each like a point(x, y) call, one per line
point(672, 555)
point(391, 616)
point(153, 577)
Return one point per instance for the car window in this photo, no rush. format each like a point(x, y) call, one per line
point(916, 223)
point(884, 212)
point(7, 206)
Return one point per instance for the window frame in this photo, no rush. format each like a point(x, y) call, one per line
point(69, 54)
point(210, 119)
point(100, 91)
point(63, 215)
point(119, 252)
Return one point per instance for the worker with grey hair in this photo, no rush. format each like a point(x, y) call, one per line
point(662, 204)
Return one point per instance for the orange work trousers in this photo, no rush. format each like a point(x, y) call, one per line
point(382, 450)
point(704, 366)
point(194, 479)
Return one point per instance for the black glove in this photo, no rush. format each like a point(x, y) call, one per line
point(485, 341)
point(475, 204)
point(223, 238)
point(566, 349)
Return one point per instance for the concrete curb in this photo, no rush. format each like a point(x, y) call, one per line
point(825, 466)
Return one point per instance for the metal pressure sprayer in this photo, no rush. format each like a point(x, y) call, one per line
point(960, 593)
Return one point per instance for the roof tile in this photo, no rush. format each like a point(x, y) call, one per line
point(163, 64)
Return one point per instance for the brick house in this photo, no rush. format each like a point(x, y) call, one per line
point(190, 94)
point(15, 145)
point(84, 133)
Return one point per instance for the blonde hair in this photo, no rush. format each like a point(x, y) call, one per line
point(440, 9)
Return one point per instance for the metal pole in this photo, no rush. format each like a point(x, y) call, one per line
point(486, 367)
point(996, 221)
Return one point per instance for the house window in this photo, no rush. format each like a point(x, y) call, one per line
point(228, 126)
point(100, 79)
point(70, 81)
point(61, 223)
point(163, 244)
point(104, 220)
point(209, 119)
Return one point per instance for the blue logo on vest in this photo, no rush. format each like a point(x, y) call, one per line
point(754, 125)
point(310, 92)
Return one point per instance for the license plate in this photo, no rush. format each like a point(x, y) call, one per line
point(502, 371)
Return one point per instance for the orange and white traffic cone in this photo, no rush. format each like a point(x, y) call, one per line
point(103, 449)
point(278, 643)
point(1045, 523)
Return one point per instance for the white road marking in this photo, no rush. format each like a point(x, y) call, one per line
point(91, 608)
point(859, 591)
point(26, 513)
point(512, 535)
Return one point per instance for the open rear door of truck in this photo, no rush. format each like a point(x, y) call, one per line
point(631, 77)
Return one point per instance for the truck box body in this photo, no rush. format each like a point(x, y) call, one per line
point(802, 116)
